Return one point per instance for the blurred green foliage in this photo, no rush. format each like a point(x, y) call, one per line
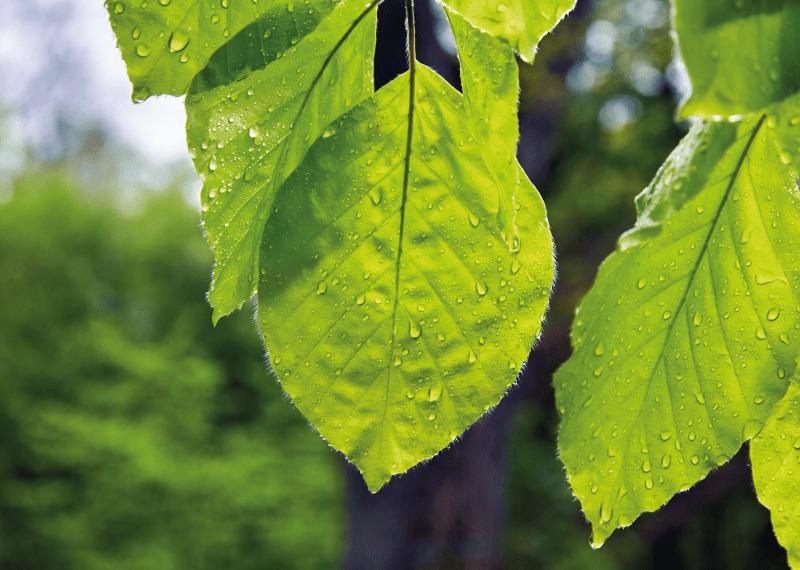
point(133, 434)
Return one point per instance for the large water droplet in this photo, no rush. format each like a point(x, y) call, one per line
point(773, 313)
point(322, 287)
point(142, 50)
point(178, 41)
point(413, 329)
point(480, 286)
point(375, 195)
point(434, 392)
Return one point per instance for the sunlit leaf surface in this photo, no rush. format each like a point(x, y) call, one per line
point(248, 136)
point(743, 56)
point(165, 43)
point(691, 331)
point(775, 457)
point(394, 311)
point(521, 23)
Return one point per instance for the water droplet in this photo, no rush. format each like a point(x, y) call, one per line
point(254, 131)
point(648, 482)
point(178, 41)
point(277, 360)
point(360, 299)
point(642, 283)
point(773, 313)
point(137, 31)
point(606, 511)
point(600, 349)
point(398, 361)
point(694, 459)
point(431, 416)
point(665, 435)
point(434, 393)
point(480, 286)
point(722, 458)
point(758, 400)
point(784, 338)
point(410, 395)
point(413, 330)
point(501, 7)
point(666, 461)
point(142, 50)
point(212, 164)
point(760, 333)
point(375, 195)
point(515, 267)
point(666, 315)
point(646, 466)
point(290, 6)
point(473, 220)
point(119, 7)
point(322, 287)
point(699, 397)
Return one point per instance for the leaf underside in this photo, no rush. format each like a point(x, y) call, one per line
point(691, 331)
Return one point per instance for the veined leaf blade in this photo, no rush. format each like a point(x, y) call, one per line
point(247, 137)
point(775, 456)
point(392, 353)
point(743, 57)
point(490, 83)
point(687, 339)
point(520, 23)
point(166, 43)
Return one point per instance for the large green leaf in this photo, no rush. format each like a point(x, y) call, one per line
point(165, 43)
point(689, 335)
point(394, 312)
point(247, 137)
point(521, 23)
point(743, 56)
point(775, 457)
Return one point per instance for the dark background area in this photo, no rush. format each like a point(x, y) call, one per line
point(134, 435)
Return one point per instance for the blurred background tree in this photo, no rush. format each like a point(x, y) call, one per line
point(134, 435)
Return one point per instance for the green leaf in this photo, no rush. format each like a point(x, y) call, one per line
point(775, 457)
point(394, 312)
point(165, 43)
point(521, 23)
point(690, 333)
point(490, 83)
point(247, 137)
point(743, 56)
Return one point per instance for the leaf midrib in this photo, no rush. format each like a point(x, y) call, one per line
point(700, 255)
